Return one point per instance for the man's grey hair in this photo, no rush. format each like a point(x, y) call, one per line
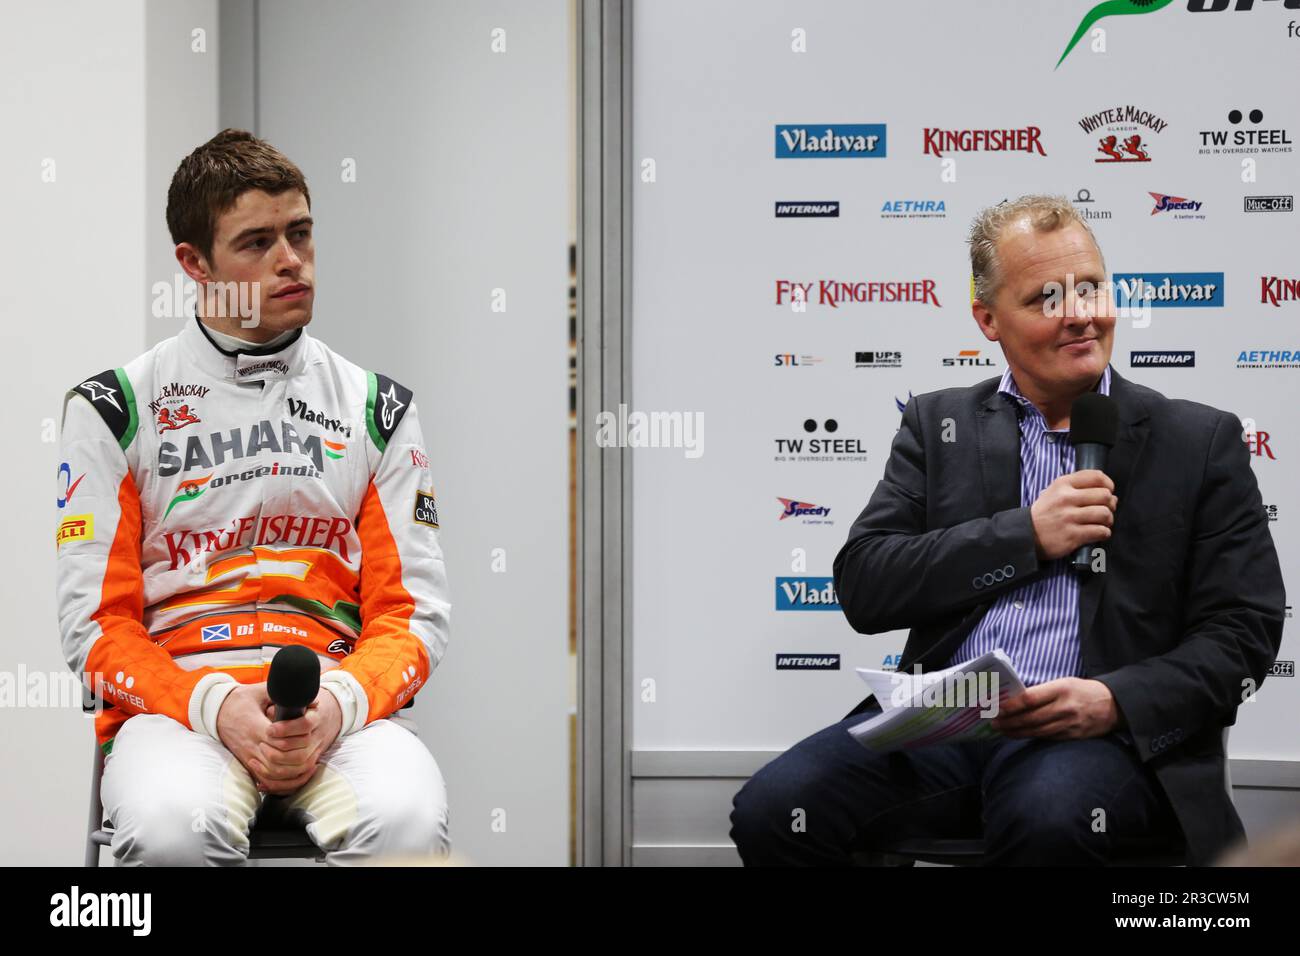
point(1045, 214)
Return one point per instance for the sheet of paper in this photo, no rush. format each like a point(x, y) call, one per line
point(953, 704)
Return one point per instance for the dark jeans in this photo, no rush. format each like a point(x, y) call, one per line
point(1036, 802)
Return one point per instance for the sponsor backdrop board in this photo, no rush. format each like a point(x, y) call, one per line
point(842, 149)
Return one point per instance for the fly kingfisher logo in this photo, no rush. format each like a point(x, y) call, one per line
point(1110, 8)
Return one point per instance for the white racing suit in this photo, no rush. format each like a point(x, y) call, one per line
point(215, 506)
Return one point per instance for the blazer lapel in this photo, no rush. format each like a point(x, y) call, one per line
point(1123, 458)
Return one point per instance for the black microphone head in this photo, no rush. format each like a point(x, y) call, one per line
point(294, 680)
point(1094, 418)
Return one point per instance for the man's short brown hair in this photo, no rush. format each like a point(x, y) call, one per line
point(210, 179)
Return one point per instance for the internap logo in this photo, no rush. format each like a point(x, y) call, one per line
point(1166, 290)
point(833, 293)
point(826, 209)
point(830, 141)
point(1274, 290)
point(937, 141)
point(807, 662)
point(1162, 359)
point(806, 594)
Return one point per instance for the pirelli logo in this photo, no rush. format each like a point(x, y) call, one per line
point(426, 511)
point(75, 528)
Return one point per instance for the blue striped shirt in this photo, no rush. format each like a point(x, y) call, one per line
point(1036, 625)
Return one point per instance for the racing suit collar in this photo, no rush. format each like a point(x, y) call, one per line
point(253, 364)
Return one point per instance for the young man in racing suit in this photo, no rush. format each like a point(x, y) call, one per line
point(234, 490)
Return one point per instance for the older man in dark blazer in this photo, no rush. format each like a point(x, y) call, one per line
point(1133, 667)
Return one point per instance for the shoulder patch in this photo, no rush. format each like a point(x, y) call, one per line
point(386, 403)
point(110, 394)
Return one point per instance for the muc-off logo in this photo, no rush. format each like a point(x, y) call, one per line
point(807, 662)
point(830, 141)
point(808, 210)
point(806, 594)
point(1269, 203)
point(1162, 359)
point(1282, 669)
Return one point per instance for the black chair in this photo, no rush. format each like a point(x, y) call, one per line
point(908, 851)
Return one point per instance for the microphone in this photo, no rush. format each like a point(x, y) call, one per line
point(294, 681)
point(1094, 426)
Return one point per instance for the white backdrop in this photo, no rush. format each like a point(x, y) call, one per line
point(711, 83)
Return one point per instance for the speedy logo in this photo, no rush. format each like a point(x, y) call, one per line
point(75, 528)
point(215, 632)
point(426, 511)
point(69, 486)
point(800, 509)
point(806, 594)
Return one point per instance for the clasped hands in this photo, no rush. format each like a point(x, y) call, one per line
point(280, 755)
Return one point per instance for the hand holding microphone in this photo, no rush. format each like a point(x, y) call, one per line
point(1078, 509)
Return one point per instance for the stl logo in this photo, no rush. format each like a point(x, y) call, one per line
point(1110, 8)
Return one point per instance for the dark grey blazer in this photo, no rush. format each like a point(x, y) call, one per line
point(1187, 615)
